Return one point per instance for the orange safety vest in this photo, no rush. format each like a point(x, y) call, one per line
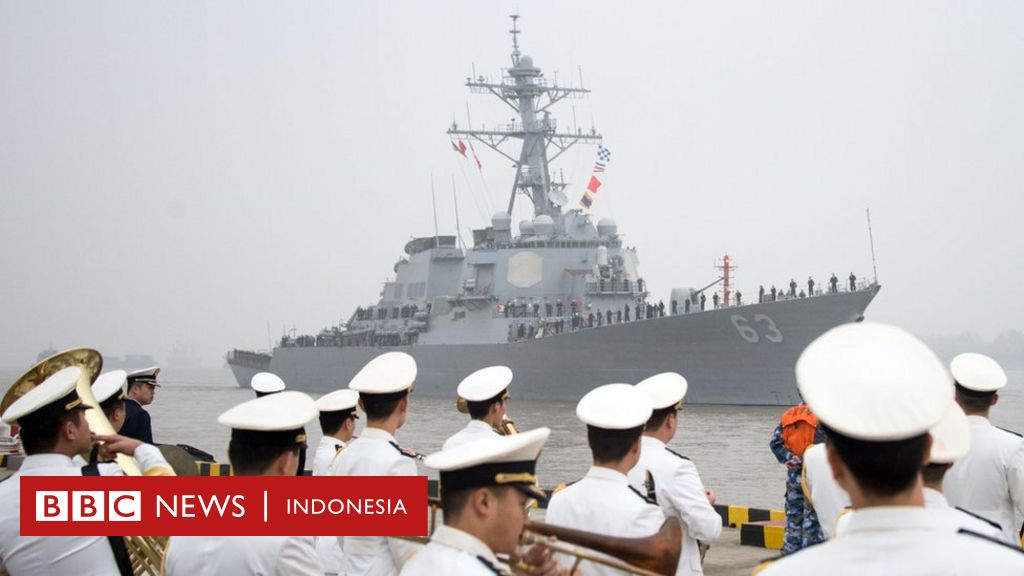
point(798, 428)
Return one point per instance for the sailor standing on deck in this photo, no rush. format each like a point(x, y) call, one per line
point(141, 392)
point(53, 429)
point(267, 435)
point(989, 480)
point(603, 502)
point(878, 390)
point(671, 477)
point(338, 424)
point(485, 487)
point(383, 385)
point(486, 395)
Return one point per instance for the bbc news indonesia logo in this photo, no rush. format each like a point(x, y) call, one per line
point(223, 505)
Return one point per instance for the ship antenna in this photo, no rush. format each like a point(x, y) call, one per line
point(871, 238)
point(515, 39)
point(433, 202)
point(458, 227)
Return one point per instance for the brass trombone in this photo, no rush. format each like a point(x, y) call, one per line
point(145, 552)
point(654, 555)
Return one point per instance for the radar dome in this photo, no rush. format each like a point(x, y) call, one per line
point(501, 221)
point(526, 62)
point(607, 227)
point(526, 228)
point(543, 225)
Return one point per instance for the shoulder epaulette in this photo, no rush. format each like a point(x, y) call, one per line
point(1007, 545)
point(488, 564)
point(671, 451)
point(406, 452)
point(982, 518)
point(1017, 434)
point(643, 497)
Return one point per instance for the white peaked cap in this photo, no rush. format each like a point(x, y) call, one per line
point(286, 410)
point(664, 390)
point(951, 437)
point(109, 384)
point(977, 372)
point(338, 400)
point(386, 374)
point(614, 407)
point(267, 383)
point(873, 381)
point(60, 384)
point(485, 383)
point(500, 461)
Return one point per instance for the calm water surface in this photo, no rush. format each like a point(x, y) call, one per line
point(729, 444)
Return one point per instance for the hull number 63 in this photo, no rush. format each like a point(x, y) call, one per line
point(760, 327)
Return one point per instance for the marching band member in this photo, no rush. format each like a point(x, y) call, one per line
point(878, 390)
point(486, 394)
point(676, 483)
point(338, 424)
point(603, 501)
point(53, 429)
point(383, 386)
point(267, 435)
point(989, 480)
point(485, 487)
point(265, 384)
point(951, 439)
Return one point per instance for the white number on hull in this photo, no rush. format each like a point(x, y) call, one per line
point(748, 333)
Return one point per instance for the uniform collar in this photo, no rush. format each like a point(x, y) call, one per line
point(974, 419)
point(377, 434)
point(454, 538)
point(331, 441)
point(46, 461)
point(602, 473)
point(934, 499)
point(479, 425)
point(651, 442)
point(879, 519)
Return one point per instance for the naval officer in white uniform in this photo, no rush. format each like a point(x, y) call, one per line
point(338, 425)
point(383, 386)
point(266, 436)
point(486, 394)
point(53, 429)
point(485, 487)
point(951, 439)
point(603, 502)
point(826, 496)
point(989, 480)
point(671, 477)
point(878, 390)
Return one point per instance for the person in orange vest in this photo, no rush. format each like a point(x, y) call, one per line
point(797, 430)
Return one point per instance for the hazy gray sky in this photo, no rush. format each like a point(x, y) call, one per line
point(190, 171)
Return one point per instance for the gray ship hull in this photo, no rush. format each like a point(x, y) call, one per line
point(736, 355)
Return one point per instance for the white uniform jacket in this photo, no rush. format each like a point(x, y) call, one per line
point(825, 494)
point(989, 481)
point(249, 555)
point(475, 430)
point(452, 552)
point(955, 519)
point(78, 555)
point(375, 453)
point(679, 493)
point(904, 541)
point(323, 465)
point(604, 503)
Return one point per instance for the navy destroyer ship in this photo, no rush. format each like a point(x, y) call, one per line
point(559, 299)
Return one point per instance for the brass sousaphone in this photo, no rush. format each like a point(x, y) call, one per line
point(146, 552)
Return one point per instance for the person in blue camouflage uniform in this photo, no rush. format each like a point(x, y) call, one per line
point(802, 527)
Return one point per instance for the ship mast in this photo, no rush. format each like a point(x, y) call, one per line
point(524, 89)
